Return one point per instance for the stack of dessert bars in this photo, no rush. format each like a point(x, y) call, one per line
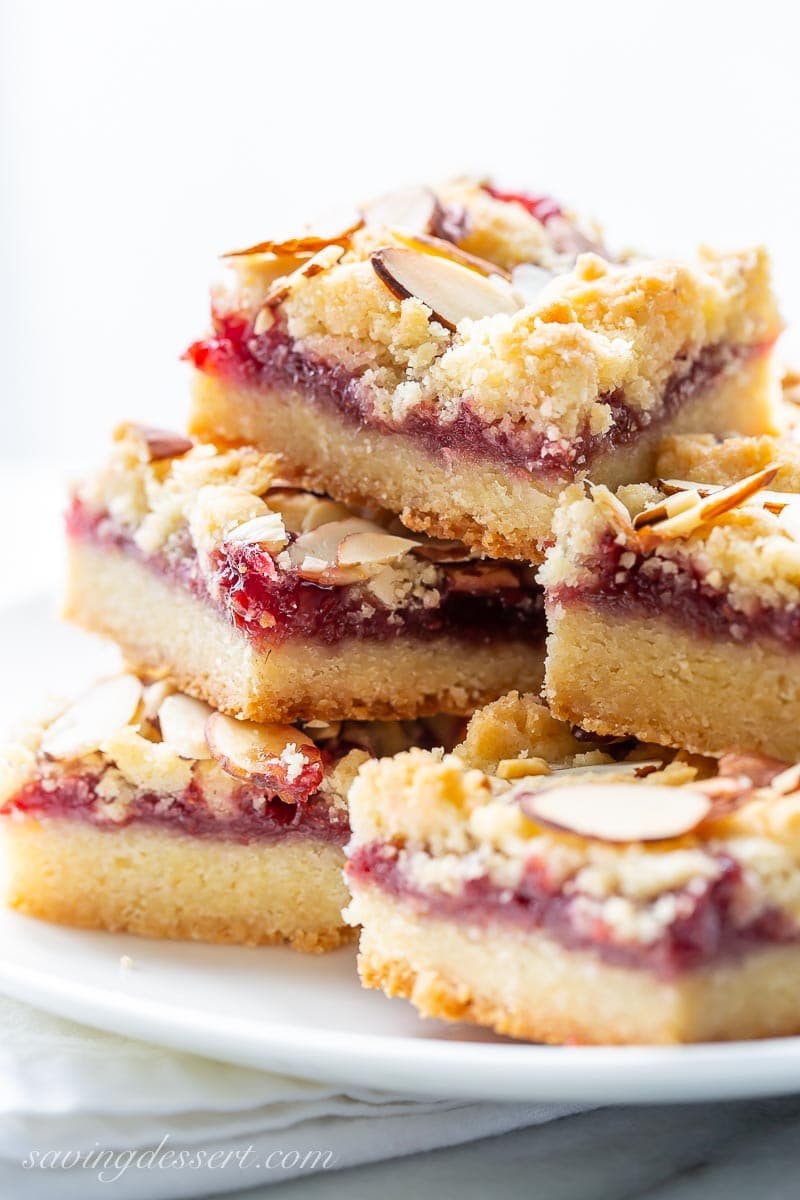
point(467, 614)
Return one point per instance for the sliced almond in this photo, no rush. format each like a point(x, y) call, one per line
point(442, 248)
point(679, 502)
point(154, 696)
point(344, 226)
point(267, 531)
point(696, 515)
point(372, 547)
point(633, 770)
point(789, 521)
point(277, 757)
point(413, 209)
point(443, 550)
point(613, 509)
point(519, 768)
point(451, 291)
point(787, 781)
point(759, 769)
point(621, 812)
point(316, 552)
point(94, 717)
point(183, 725)
point(478, 579)
point(775, 502)
point(157, 444)
point(323, 260)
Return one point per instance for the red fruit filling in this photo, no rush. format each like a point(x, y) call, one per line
point(272, 605)
point(704, 930)
point(253, 814)
point(272, 361)
point(682, 596)
point(543, 208)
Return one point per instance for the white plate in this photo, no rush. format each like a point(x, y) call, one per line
point(307, 1016)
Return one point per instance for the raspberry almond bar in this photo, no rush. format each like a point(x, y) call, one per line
point(457, 363)
point(273, 603)
point(674, 614)
point(617, 902)
point(139, 808)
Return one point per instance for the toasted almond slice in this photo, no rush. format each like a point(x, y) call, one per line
point(156, 444)
point(696, 515)
point(322, 543)
point(613, 509)
point(372, 547)
point(250, 751)
point(441, 248)
point(443, 550)
point(478, 579)
point(635, 770)
point(94, 717)
point(343, 228)
point(775, 502)
point(451, 291)
point(154, 696)
point(787, 781)
point(519, 768)
point(267, 531)
point(183, 725)
point(759, 769)
point(321, 511)
point(679, 502)
point(620, 812)
point(413, 209)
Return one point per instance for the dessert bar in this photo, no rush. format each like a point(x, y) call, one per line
point(674, 613)
point(273, 603)
point(459, 357)
point(139, 808)
point(580, 900)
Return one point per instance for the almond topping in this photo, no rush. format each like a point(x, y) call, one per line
point(709, 508)
point(93, 718)
point(273, 755)
point(451, 291)
point(775, 502)
point(673, 506)
point(621, 812)
point(613, 509)
point(519, 768)
point(267, 531)
point(183, 725)
point(315, 554)
point(308, 243)
point(372, 547)
point(441, 248)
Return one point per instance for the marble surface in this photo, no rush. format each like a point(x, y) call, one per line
point(737, 1151)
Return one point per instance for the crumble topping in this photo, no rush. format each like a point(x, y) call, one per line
point(446, 824)
point(749, 553)
point(208, 503)
point(595, 329)
point(589, 329)
point(702, 458)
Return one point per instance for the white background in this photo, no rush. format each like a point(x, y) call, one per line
point(139, 139)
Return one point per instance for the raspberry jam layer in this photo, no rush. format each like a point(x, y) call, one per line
point(272, 605)
point(681, 595)
point(272, 361)
point(251, 815)
point(703, 932)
